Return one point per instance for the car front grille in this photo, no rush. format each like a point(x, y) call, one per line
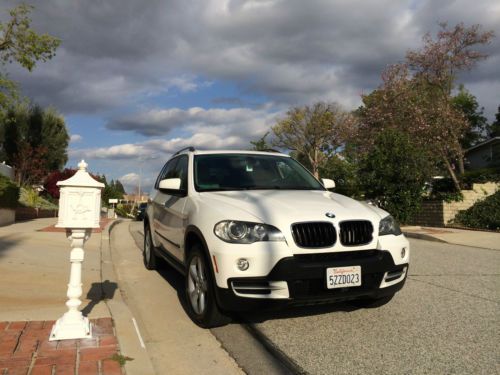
point(356, 232)
point(314, 234)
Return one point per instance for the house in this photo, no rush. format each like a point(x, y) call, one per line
point(484, 155)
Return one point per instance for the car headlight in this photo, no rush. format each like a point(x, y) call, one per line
point(388, 225)
point(245, 232)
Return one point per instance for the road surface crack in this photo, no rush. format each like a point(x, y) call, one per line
point(453, 290)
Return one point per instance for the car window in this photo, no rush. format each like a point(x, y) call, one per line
point(167, 171)
point(181, 171)
point(216, 172)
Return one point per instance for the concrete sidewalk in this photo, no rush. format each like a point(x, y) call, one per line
point(473, 238)
point(34, 273)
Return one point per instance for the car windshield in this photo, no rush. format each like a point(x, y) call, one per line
point(218, 172)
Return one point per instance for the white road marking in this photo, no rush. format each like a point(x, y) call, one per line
point(138, 333)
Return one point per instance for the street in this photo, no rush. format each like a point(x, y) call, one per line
point(444, 321)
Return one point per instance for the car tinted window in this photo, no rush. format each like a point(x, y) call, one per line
point(181, 171)
point(167, 171)
point(215, 172)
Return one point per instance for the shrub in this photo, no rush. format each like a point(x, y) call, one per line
point(444, 190)
point(9, 193)
point(485, 214)
point(394, 173)
point(480, 176)
point(124, 210)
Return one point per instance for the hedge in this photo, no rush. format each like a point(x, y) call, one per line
point(9, 193)
point(484, 214)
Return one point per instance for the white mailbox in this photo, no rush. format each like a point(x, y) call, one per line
point(79, 212)
point(80, 200)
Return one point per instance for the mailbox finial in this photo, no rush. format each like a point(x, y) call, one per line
point(82, 165)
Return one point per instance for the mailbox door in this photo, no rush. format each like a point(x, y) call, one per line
point(169, 218)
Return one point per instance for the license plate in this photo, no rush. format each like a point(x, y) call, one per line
point(343, 277)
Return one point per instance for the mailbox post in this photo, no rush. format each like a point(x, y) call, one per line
point(79, 212)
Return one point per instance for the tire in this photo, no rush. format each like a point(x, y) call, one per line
point(149, 253)
point(371, 303)
point(200, 295)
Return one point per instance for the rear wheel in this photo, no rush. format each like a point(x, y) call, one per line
point(371, 302)
point(149, 254)
point(200, 295)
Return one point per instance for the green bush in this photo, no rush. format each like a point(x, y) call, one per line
point(9, 193)
point(485, 214)
point(444, 190)
point(124, 210)
point(31, 198)
point(394, 173)
point(480, 176)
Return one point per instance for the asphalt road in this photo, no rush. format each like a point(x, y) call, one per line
point(445, 321)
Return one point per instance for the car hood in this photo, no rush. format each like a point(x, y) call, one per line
point(282, 207)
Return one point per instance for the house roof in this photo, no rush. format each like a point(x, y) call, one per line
point(482, 144)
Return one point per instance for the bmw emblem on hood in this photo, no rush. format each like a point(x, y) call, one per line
point(331, 215)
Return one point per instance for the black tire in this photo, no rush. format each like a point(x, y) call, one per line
point(208, 315)
point(371, 303)
point(149, 252)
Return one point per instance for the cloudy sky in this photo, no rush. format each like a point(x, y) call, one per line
point(138, 80)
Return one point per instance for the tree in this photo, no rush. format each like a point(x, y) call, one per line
point(494, 128)
point(261, 144)
point(51, 188)
point(467, 104)
point(394, 173)
point(119, 188)
point(35, 142)
point(415, 96)
point(314, 132)
point(20, 43)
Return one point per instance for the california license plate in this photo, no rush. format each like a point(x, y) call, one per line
point(343, 277)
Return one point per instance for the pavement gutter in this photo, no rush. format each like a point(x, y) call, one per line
point(279, 355)
point(422, 236)
point(128, 336)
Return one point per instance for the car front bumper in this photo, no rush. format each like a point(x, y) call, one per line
point(301, 280)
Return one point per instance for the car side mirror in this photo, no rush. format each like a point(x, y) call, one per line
point(327, 183)
point(170, 184)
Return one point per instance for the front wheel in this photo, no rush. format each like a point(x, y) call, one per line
point(200, 295)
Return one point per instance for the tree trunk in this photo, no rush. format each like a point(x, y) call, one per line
point(315, 170)
point(452, 173)
point(461, 168)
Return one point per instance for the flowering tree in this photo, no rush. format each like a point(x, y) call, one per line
point(415, 96)
point(314, 131)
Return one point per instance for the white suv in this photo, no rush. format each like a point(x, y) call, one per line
point(253, 229)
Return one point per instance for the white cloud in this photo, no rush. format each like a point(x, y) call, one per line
point(75, 138)
point(129, 179)
point(117, 52)
point(158, 121)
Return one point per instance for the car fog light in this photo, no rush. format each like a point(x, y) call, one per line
point(403, 252)
point(242, 264)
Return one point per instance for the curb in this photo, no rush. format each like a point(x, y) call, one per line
point(281, 357)
point(131, 344)
point(422, 236)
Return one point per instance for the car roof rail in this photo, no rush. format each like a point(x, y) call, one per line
point(189, 148)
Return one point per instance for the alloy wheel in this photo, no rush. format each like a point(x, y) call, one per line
point(197, 285)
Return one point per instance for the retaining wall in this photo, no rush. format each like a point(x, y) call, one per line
point(7, 216)
point(29, 213)
point(440, 213)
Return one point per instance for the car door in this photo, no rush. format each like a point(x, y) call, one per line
point(169, 218)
